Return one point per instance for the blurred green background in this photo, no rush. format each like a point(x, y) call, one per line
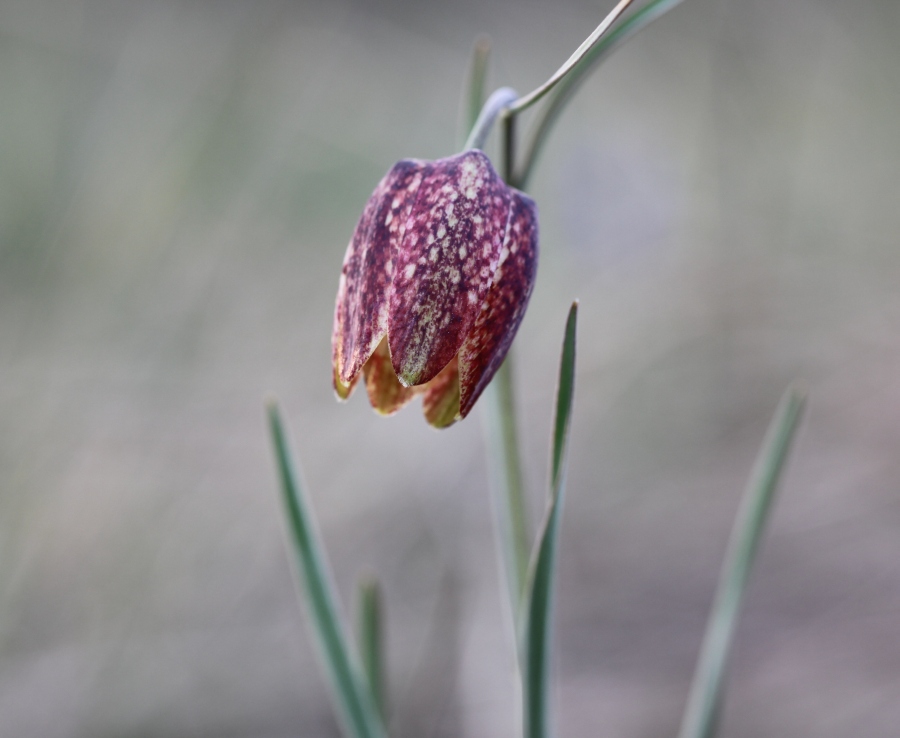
point(178, 182)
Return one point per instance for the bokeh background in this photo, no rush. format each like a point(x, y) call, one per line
point(178, 181)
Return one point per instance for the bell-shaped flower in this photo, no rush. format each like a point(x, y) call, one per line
point(434, 286)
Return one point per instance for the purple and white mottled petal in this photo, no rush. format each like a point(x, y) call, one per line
point(445, 264)
point(386, 394)
point(486, 346)
point(440, 401)
point(361, 311)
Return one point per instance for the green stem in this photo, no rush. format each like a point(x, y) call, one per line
point(563, 92)
point(506, 471)
point(497, 102)
point(572, 62)
point(504, 457)
point(508, 123)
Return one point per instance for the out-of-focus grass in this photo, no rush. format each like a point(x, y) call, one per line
point(177, 186)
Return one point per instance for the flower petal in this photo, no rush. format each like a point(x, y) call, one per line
point(445, 263)
point(361, 310)
point(342, 390)
point(440, 402)
point(485, 347)
point(386, 394)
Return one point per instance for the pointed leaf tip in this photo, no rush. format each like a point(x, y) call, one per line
point(474, 97)
point(707, 689)
point(564, 396)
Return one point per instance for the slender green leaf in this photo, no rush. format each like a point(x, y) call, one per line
point(539, 598)
point(475, 84)
point(564, 402)
point(547, 116)
point(355, 705)
point(704, 703)
point(370, 637)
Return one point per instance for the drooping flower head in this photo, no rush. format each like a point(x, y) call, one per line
point(434, 285)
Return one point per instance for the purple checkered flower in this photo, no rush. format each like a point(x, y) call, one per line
point(434, 286)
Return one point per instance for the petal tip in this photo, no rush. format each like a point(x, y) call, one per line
point(408, 379)
point(386, 394)
point(441, 401)
point(342, 390)
point(441, 425)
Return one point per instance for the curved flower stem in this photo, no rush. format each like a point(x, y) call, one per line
point(563, 92)
point(504, 457)
point(497, 102)
point(506, 472)
point(573, 61)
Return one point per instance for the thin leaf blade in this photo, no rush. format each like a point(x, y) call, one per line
point(704, 705)
point(539, 594)
point(564, 395)
point(370, 629)
point(473, 94)
point(353, 702)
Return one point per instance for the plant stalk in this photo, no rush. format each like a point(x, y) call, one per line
point(506, 472)
point(535, 95)
point(577, 74)
point(496, 103)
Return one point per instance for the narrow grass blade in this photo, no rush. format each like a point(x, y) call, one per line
point(539, 597)
point(705, 700)
point(355, 705)
point(473, 98)
point(370, 638)
point(564, 396)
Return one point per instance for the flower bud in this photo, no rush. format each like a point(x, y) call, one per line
point(434, 285)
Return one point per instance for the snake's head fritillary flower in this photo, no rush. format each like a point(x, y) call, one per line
point(434, 286)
